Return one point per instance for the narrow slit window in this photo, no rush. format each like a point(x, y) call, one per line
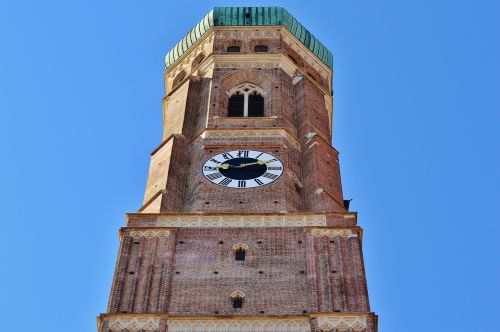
point(233, 49)
point(260, 48)
point(239, 254)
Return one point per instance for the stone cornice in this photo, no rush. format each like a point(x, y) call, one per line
point(255, 60)
point(173, 220)
point(341, 321)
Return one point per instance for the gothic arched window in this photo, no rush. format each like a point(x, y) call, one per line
point(237, 302)
point(239, 254)
point(237, 299)
point(246, 100)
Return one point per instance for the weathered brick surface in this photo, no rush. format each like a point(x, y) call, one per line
point(281, 195)
point(192, 273)
point(143, 275)
point(299, 109)
point(196, 290)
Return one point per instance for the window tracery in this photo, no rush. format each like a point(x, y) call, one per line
point(246, 100)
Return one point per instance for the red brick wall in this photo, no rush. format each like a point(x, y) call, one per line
point(300, 109)
point(300, 272)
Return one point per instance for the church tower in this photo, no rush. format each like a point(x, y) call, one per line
point(243, 226)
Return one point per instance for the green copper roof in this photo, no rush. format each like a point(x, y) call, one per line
point(250, 16)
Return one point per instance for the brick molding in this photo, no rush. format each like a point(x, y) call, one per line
point(240, 133)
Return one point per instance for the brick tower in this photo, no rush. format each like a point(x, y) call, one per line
point(243, 225)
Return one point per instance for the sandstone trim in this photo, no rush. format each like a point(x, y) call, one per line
point(241, 221)
point(325, 322)
point(150, 233)
point(240, 325)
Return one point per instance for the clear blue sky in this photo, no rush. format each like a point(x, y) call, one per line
point(416, 122)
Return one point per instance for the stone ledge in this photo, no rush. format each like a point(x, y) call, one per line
point(343, 219)
point(239, 133)
point(357, 322)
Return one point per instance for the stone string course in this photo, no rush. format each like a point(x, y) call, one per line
point(340, 323)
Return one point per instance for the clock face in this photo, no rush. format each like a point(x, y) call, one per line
point(242, 169)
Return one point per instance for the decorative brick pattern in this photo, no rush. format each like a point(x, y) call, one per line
point(338, 219)
point(342, 323)
point(134, 324)
point(243, 221)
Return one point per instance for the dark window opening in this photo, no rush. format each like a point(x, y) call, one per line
point(239, 254)
point(255, 105)
point(312, 76)
point(178, 79)
point(199, 58)
point(237, 302)
point(260, 48)
point(233, 49)
point(236, 105)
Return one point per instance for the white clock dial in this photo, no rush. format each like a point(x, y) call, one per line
point(242, 169)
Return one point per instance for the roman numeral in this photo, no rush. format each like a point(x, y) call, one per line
point(260, 183)
point(273, 168)
point(227, 155)
point(215, 161)
point(260, 155)
point(214, 176)
point(225, 182)
point(270, 176)
point(242, 153)
point(210, 168)
point(242, 184)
